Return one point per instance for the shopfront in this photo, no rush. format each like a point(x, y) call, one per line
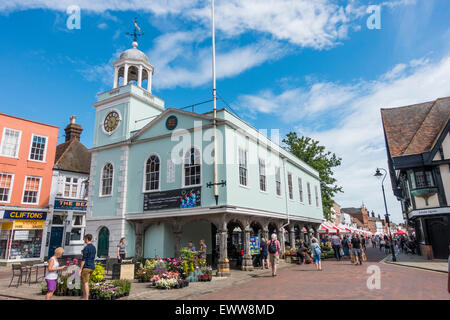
point(21, 235)
point(67, 227)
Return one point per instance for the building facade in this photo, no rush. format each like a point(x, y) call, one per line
point(27, 154)
point(152, 174)
point(418, 149)
point(68, 197)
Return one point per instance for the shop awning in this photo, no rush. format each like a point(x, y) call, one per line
point(325, 228)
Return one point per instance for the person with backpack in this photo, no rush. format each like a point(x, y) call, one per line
point(264, 253)
point(274, 252)
point(316, 252)
point(302, 252)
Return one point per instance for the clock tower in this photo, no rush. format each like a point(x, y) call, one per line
point(130, 104)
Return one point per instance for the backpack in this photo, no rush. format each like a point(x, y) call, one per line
point(317, 251)
point(273, 247)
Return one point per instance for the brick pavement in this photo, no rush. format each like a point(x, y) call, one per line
point(339, 280)
point(416, 261)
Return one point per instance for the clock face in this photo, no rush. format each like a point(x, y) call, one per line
point(111, 121)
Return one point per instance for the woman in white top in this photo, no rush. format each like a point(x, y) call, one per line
point(52, 276)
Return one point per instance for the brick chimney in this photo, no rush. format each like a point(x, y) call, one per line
point(73, 130)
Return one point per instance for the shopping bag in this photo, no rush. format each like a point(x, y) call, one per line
point(341, 252)
point(363, 256)
point(352, 258)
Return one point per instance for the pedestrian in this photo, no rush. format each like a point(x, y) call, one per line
point(302, 251)
point(274, 248)
point(264, 254)
point(87, 264)
point(336, 244)
point(121, 251)
point(191, 246)
point(345, 247)
point(52, 275)
point(382, 243)
point(356, 248)
point(363, 242)
point(315, 249)
point(202, 253)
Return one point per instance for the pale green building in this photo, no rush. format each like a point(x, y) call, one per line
point(152, 170)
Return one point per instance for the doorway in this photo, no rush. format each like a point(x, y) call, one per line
point(438, 233)
point(103, 243)
point(56, 237)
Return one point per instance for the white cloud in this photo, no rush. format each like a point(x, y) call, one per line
point(179, 62)
point(102, 26)
point(358, 137)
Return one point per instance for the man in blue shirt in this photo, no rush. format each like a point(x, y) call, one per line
point(87, 264)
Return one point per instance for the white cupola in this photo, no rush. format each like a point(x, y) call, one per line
point(133, 65)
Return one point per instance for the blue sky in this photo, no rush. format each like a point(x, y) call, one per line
point(293, 65)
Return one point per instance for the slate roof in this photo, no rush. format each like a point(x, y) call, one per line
point(415, 129)
point(73, 156)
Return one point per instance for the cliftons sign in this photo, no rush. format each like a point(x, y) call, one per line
point(24, 215)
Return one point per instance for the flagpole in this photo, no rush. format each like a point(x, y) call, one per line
point(216, 194)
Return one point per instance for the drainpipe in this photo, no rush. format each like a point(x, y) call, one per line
point(285, 192)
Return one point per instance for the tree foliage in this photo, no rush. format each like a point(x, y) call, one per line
point(315, 155)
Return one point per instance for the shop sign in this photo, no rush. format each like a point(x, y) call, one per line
point(427, 212)
point(254, 245)
point(7, 225)
point(70, 205)
point(29, 224)
point(21, 235)
point(25, 215)
point(178, 198)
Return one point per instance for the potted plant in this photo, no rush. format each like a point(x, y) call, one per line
point(44, 287)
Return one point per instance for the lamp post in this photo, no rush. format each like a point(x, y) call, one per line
point(378, 174)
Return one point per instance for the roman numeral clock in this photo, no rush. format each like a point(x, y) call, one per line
point(111, 122)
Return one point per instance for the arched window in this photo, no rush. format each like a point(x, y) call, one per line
point(107, 179)
point(152, 169)
point(192, 166)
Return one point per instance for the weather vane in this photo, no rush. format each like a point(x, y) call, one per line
point(135, 34)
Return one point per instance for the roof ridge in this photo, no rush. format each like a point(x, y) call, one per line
point(436, 139)
point(65, 151)
point(421, 126)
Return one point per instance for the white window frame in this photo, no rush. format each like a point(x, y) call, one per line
point(278, 173)
point(79, 184)
point(290, 187)
point(183, 177)
point(308, 190)
point(144, 180)
point(101, 195)
point(259, 175)
point(18, 142)
point(316, 191)
point(10, 188)
point(31, 147)
point(82, 227)
point(38, 196)
point(245, 153)
point(300, 189)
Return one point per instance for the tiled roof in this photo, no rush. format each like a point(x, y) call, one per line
point(414, 129)
point(73, 156)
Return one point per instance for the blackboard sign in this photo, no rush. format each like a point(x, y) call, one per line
point(178, 198)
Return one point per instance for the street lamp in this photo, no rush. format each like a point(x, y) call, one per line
point(378, 174)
